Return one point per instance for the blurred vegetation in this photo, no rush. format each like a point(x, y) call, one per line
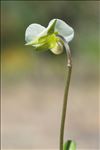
point(18, 59)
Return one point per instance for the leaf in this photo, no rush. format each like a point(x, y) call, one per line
point(69, 145)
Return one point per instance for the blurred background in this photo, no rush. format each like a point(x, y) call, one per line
point(33, 83)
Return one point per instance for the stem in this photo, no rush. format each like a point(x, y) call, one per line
point(64, 108)
point(69, 70)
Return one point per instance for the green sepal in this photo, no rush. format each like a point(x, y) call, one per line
point(42, 47)
point(52, 27)
point(69, 145)
point(45, 42)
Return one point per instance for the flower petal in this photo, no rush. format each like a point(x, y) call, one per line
point(33, 31)
point(63, 29)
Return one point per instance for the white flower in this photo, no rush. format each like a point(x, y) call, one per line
point(42, 38)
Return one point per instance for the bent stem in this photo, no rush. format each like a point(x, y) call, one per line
point(69, 70)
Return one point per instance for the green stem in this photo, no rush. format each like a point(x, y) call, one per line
point(69, 70)
point(64, 108)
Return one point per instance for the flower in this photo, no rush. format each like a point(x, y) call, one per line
point(42, 38)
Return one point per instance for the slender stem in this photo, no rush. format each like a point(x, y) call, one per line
point(69, 70)
point(64, 108)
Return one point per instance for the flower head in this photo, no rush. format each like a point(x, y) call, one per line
point(42, 38)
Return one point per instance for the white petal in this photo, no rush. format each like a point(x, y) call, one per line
point(33, 31)
point(63, 29)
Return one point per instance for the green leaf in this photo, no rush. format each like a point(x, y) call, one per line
point(69, 145)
